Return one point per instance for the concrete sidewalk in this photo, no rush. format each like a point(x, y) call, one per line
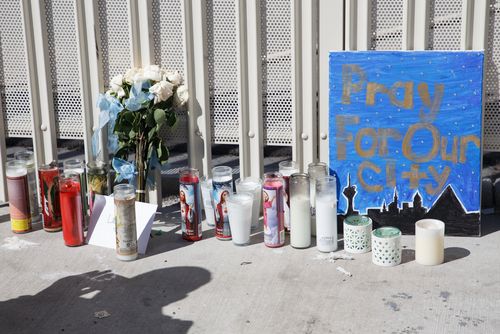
point(215, 287)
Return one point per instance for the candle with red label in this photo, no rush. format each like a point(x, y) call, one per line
point(71, 209)
point(274, 224)
point(190, 200)
point(19, 202)
point(48, 176)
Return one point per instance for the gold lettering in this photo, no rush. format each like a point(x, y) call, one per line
point(433, 105)
point(368, 165)
point(383, 135)
point(463, 145)
point(439, 178)
point(372, 89)
point(390, 174)
point(453, 156)
point(414, 176)
point(348, 86)
point(407, 150)
point(342, 136)
point(357, 142)
point(407, 101)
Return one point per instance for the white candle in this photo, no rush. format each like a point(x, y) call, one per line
point(253, 186)
point(326, 223)
point(238, 207)
point(429, 242)
point(300, 221)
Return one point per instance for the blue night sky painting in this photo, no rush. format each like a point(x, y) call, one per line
point(408, 122)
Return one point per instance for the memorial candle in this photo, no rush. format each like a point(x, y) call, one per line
point(326, 214)
point(222, 181)
point(274, 225)
point(206, 194)
point(48, 177)
point(77, 166)
point(19, 203)
point(125, 224)
point(300, 211)
point(71, 209)
point(238, 206)
point(97, 174)
point(429, 242)
point(190, 200)
point(287, 168)
point(253, 186)
point(29, 159)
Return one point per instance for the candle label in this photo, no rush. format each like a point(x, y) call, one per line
point(49, 195)
point(33, 196)
point(286, 202)
point(98, 184)
point(126, 233)
point(221, 191)
point(19, 203)
point(189, 197)
point(274, 225)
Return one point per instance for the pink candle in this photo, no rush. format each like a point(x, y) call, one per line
point(274, 224)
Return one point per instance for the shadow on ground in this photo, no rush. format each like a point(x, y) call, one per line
point(125, 305)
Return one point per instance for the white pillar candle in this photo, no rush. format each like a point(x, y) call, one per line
point(206, 194)
point(326, 214)
point(300, 213)
point(253, 186)
point(429, 242)
point(238, 207)
point(315, 170)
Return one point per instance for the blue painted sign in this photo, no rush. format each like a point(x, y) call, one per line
point(405, 136)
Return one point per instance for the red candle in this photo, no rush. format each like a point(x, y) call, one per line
point(71, 209)
point(49, 195)
point(190, 200)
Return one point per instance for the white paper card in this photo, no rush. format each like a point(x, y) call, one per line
point(101, 231)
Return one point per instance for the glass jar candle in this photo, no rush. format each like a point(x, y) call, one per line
point(253, 186)
point(71, 209)
point(19, 202)
point(287, 168)
point(386, 246)
point(48, 177)
point(326, 214)
point(97, 177)
point(274, 224)
point(315, 171)
point(125, 225)
point(300, 213)
point(29, 159)
point(206, 194)
point(238, 206)
point(357, 234)
point(190, 201)
point(77, 166)
point(429, 242)
point(222, 182)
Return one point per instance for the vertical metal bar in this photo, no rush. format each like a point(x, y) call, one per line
point(199, 132)
point(242, 49)
point(364, 33)
point(95, 70)
point(331, 37)
point(134, 23)
point(85, 79)
point(309, 93)
point(3, 156)
point(466, 29)
point(480, 24)
point(254, 75)
point(145, 14)
point(408, 24)
point(350, 29)
point(40, 84)
point(421, 30)
point(297, 145)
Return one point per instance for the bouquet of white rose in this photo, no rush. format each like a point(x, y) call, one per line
point(134, 109)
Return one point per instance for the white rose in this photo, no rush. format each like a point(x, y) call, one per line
point(162, 91)
point(181, 96)
point(152, 72)
point(131, 74)
point(173, 77)
point(116, 83)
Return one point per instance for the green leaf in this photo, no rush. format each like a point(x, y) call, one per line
point(150, 119)
point(159, 115)
point(162, 153)
point(132, 134)
point(152, 133)
point(171, 118)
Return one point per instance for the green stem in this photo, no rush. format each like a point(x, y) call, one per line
point(141, 175)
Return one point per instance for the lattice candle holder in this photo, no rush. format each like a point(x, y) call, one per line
point(357, 234)
point(386, 246)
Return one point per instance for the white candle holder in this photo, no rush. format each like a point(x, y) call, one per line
point(386, 246)
point(429, 242)
point(357, 234)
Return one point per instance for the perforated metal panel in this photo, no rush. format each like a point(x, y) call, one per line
point(115, 37)
point(492, 81)
point(387, 24)
point(445, 25)
point(62, 37)
point(14, 89)
point(276, 35)
point(168, 41)
point(223, 63)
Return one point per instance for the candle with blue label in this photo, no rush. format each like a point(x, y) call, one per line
point(190, 200)
point(222, 182)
